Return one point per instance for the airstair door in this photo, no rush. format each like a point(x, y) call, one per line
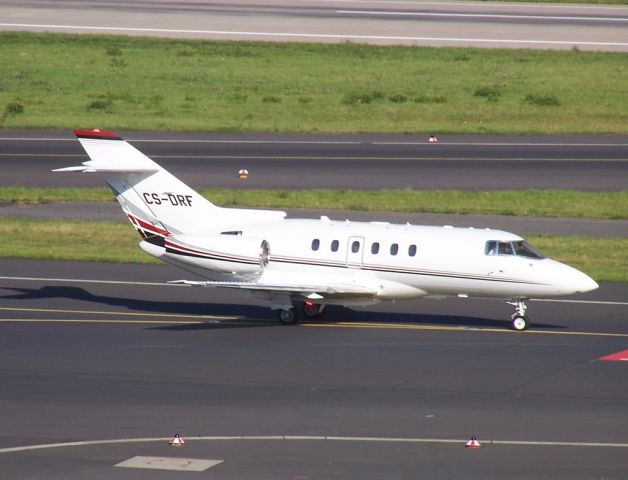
point(355, 252)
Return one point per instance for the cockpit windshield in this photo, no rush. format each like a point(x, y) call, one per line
point(524, 249)
point(519, 248)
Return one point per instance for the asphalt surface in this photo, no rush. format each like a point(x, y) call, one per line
point(124, 365)
point(338, 161)
point(467, 24)
point(159, 360)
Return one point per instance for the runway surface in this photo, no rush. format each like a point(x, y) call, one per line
point(475, 24)
point(338, 161)
point(404, 384)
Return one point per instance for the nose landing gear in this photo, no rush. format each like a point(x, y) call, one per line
point(520, 321)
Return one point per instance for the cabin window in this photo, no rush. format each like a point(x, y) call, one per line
point(334, 245)
point(355, 247)
point(315, 244)
point(375, 248)
point(394, 249)
point(412, 250)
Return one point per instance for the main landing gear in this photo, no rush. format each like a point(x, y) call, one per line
point(520, 321)
point(307, 309)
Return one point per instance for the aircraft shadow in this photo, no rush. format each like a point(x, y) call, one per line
point(252, 316)
point(140, 305)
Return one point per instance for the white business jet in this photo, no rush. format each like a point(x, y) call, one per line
point(302, 265)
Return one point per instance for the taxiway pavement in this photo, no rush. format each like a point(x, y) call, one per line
point(90, 361)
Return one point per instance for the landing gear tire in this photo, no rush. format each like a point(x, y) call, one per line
point(287, 317)
point(519, 320)
point(520, 323)
point(312, 310)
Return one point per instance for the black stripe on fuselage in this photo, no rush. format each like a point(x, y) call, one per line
point(399, 270)
point(373, 268)
point(210, 256)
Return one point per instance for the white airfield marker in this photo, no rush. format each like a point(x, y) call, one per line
point(168, 463)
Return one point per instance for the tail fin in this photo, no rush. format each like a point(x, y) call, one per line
point(156, 202)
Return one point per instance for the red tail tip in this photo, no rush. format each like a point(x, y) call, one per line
point(97, 134)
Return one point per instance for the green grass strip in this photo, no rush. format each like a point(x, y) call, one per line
point(591, 2)
point(36, 196)
point(605, 259)
point(539, 203)
point(137, 83)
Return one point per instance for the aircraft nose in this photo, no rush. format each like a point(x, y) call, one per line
point(586, 284)
point(581, 283)
point(569, 281)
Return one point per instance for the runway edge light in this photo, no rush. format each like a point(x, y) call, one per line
point(473, 443)
point(176, 441)
point(432, 139)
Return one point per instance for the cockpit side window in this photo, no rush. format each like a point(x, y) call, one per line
point(505, 248)
point(524, 249)
point(520, 248)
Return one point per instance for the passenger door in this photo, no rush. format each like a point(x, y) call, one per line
point(355, 252)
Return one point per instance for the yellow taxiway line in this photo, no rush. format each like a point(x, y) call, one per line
point(400, 326)
point(209, 319)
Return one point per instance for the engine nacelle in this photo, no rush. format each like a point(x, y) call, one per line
point(221, 253)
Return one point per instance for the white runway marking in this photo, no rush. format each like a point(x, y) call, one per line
point(588, 302)
point(455, 441)
point(516, 6)
point(85, 280)
point(324, 36)
point(478, 15)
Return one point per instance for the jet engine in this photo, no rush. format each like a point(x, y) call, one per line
point(221, 253)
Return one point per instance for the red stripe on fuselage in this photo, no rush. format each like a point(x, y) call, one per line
point(147, 226)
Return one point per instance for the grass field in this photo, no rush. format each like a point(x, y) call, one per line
point(539, 203)
point(605, 259)
point(65, 81)
point(596, 2)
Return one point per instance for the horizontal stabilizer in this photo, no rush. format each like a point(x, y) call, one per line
point(89, 167)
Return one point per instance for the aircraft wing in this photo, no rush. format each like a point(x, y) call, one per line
point(309, 291)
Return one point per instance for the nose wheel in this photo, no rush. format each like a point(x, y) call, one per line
point(520, 321)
